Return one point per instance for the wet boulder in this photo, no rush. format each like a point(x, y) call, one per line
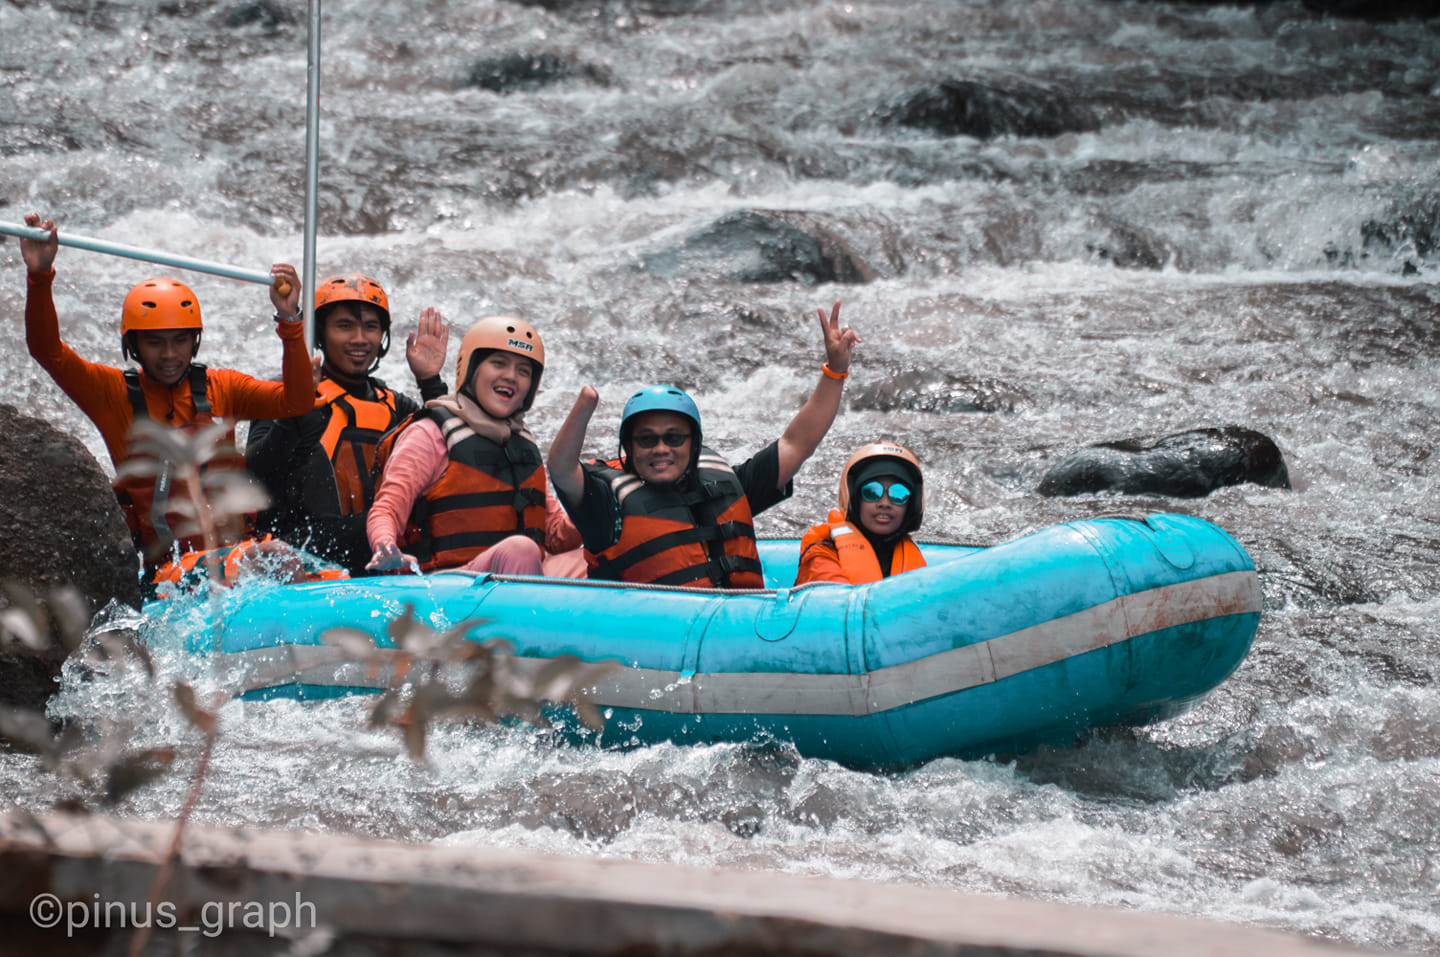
point(269, 15)
point(59, 526)
point(1411, 237)
point(765, 246)
point(521, 72)
point(1128, 246)
point(1376, 11)
point(1185, 465)
point(890, 388)
point(985, 110)
point(625, 11)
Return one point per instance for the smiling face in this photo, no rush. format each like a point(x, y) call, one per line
point(353, 333)
point(500, 383)
point(661, 464)
point(165, 354)
point(882, 517)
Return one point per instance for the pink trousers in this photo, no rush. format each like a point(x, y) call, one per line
point(519, 555)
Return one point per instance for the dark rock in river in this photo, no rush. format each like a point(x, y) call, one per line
point(271, 15)
point(1375, 11)
point(519, 72)
point(1186, 465)
point(1135, 247)
point(59, 525)
point(765, 246)
point(627, 11)
point(928, 390)
point(985, 110)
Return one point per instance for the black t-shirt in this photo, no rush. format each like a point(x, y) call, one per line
point(598, 516)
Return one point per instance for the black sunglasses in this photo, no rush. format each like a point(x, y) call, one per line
point(899, 492)
point(673, 439)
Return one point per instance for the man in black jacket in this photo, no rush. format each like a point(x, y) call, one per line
point(318, 467)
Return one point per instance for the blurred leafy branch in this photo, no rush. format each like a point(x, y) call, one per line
point(97, 764)
point(215, 501)
point(426, 676)
point(447, 676)
point(430, 676)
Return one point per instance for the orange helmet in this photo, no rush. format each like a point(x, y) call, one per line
point(503, 334)
point(883, 458)
point(355, 287)
point(158, 304)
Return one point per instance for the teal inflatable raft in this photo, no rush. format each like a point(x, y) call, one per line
point(986, 650)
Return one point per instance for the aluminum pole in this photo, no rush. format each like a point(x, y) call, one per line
point(135, 252)
point(312, 170)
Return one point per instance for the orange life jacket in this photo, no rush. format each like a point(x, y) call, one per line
point(224, 565)
point(488, 493)
point(350, 439)
point(857, 557)
point(703, 537)
point(146, 501)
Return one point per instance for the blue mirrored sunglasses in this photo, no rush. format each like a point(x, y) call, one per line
point(899, 492)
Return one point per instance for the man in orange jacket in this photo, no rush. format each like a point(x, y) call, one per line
point(160, 329)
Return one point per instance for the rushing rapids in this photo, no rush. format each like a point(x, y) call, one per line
point(1055, 224)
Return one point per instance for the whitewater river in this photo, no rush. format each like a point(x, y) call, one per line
point(1177, 217)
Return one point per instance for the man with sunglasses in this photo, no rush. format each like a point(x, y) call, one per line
point(868, 537)
point(670, 511)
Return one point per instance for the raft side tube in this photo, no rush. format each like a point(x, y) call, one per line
point(1032, 641)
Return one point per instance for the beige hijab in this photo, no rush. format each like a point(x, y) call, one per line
point(483, 423)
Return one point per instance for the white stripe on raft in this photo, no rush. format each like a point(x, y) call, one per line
point(1115, 621)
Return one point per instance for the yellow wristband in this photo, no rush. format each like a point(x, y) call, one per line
point(831, 373)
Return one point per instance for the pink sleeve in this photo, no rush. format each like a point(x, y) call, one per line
point(560, 533)
point(416, 464)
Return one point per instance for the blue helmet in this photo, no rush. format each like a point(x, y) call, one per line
point(659, 398)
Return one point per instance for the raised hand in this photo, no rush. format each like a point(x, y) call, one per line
point(39, 254)
point(839, 343)
point(287, 304)
point(425, 347)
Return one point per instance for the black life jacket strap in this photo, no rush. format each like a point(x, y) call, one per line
point(695, 534)
point(717, 570)
point(518, 499)
point(199, 383)
point(479, 540)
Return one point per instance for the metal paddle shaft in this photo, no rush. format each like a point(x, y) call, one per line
point(148, 255)
point(312, 166)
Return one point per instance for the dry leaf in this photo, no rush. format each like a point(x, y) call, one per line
point(197, 716)
point(134, 770)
